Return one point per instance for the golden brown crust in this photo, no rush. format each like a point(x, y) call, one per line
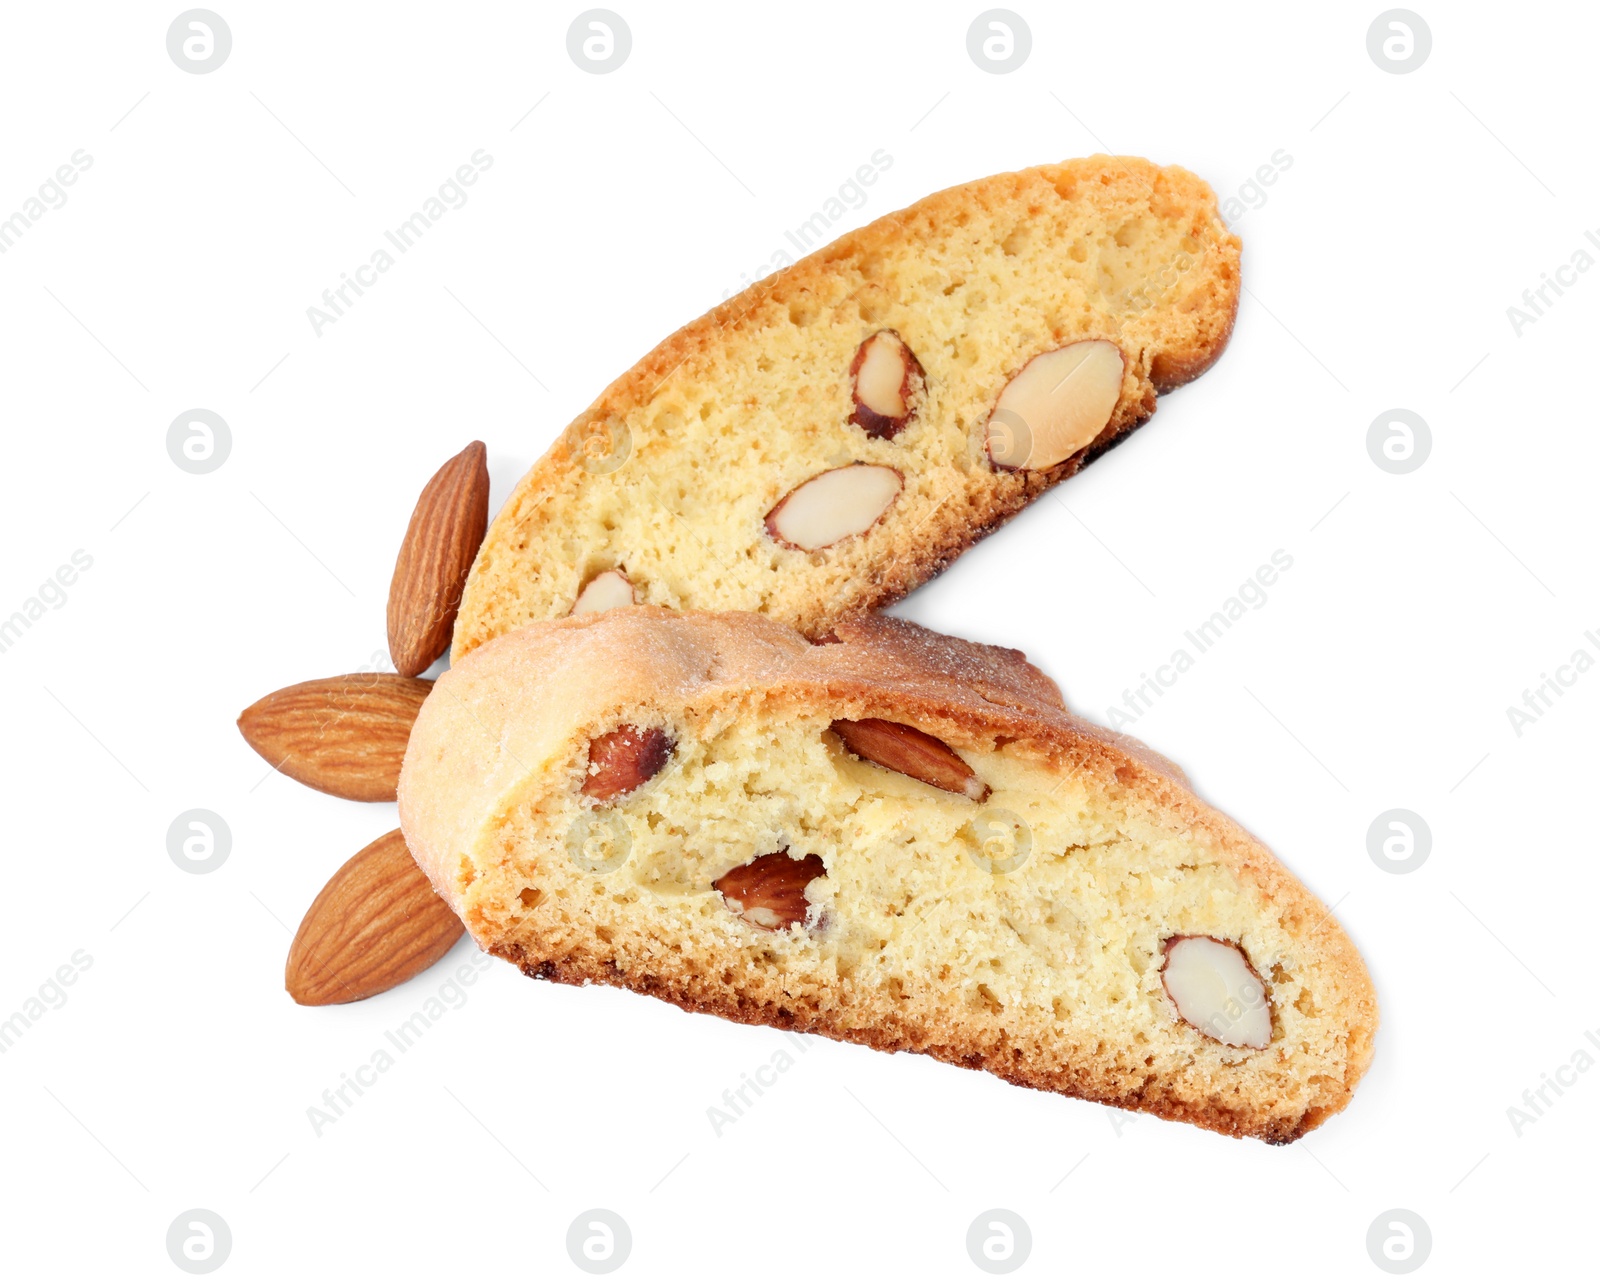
point(1166, 341)
point(485, 744)
point(895, 1036)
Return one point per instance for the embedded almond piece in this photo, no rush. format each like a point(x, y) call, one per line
point(905, 749)
point(624, 760)
point(607, 590)
point(770, 892)
point(834, 506)
point(1216, 991)
point(886, 376)
point(1055, 405)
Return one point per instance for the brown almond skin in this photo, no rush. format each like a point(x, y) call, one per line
point(430, 572)
point(375, 924)
point(863, 416)
point(625, 759)
point(775, 882)
point(344, 736)
point(905, 749)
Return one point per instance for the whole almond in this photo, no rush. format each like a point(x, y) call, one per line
point(446, 529)
point(343, 736)
point(375, 924)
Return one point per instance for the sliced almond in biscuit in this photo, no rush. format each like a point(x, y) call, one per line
point(901, 748)
point(1216, 991)
point(834, 506)
point(886, 376)
point(624, 759)
point(1055, 405)
point(770, 892)
point(607, 590)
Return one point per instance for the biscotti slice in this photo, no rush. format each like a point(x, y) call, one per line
point(827, 440)
point(897, 839)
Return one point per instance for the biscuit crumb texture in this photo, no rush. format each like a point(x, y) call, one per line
point(669, 476)
point(1022, 935)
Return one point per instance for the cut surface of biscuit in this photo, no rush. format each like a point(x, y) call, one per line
point(998, 883)
point(919, 347)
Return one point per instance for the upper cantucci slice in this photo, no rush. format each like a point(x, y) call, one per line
point(1055, 405)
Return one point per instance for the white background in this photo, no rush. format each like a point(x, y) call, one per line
point(1379, 269)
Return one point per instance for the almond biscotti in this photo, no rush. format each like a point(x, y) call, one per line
point(898, 839)
point(827, 440)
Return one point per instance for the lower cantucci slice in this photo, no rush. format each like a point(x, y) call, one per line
point(622, 760)
point(834, 506)
point(770, 892)
point(902, 748)
point(1216, 990)
point(885, 379)
point(1055, 405)
point(607, 590)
